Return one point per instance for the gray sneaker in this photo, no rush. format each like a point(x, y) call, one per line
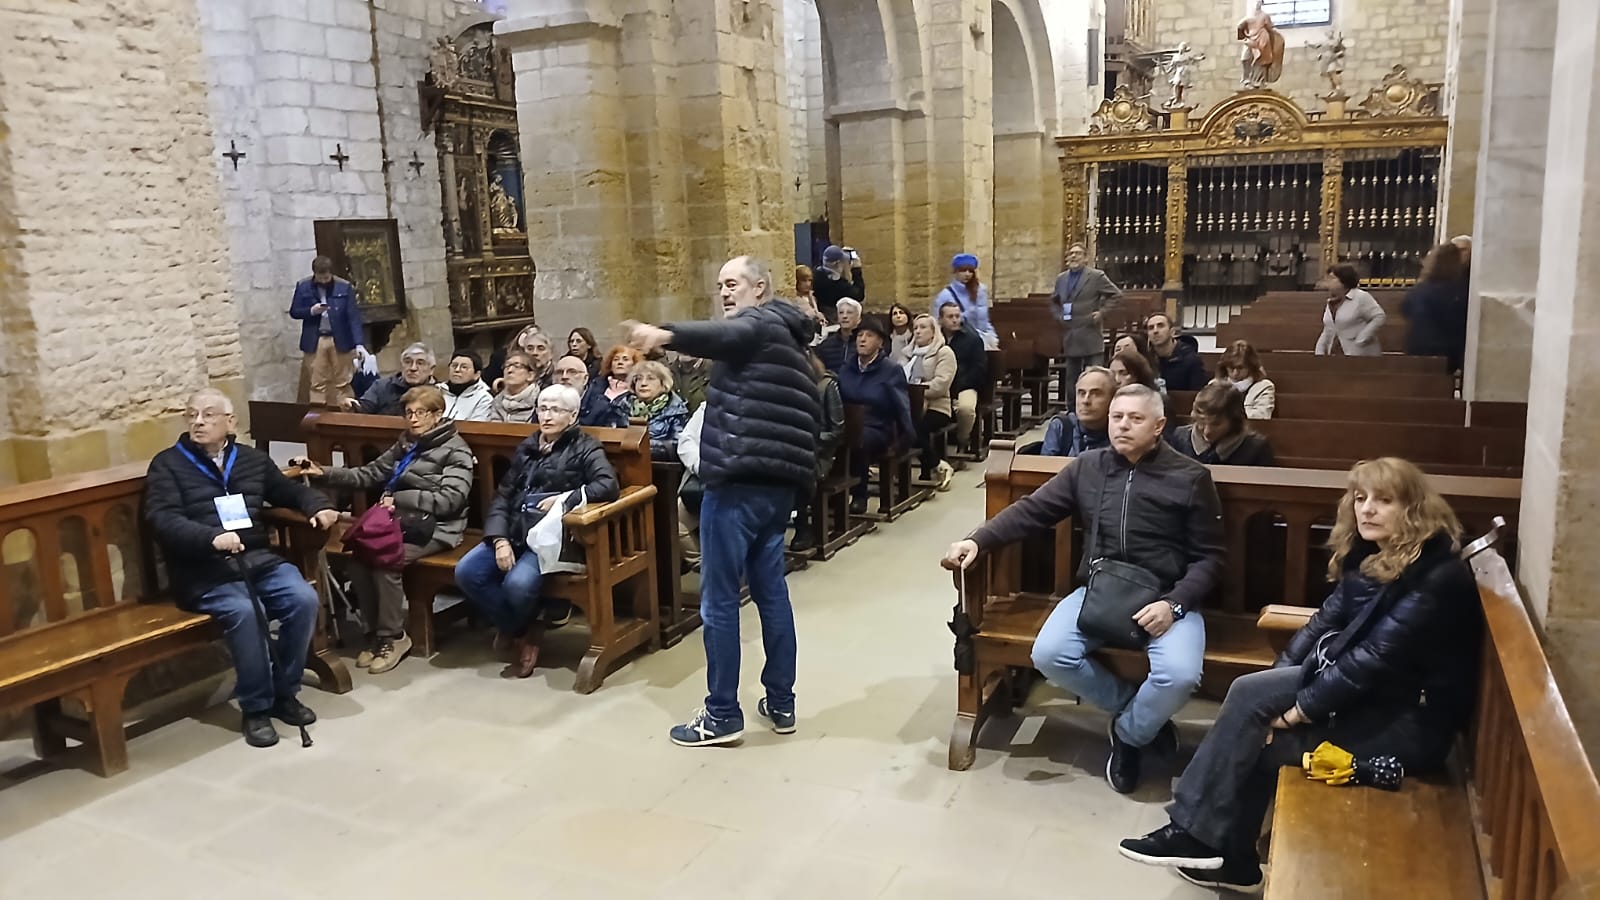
point(782, 722)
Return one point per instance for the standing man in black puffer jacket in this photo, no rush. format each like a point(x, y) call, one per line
point(758, 448)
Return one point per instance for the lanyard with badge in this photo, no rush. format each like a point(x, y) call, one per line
point(232, 511)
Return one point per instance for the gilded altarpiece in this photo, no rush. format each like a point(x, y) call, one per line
point(468, 101)
point(1257, 195)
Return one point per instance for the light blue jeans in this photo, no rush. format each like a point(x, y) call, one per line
point(1061, 652)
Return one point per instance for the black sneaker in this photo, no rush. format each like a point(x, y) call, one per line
point(802, 543)
point(782, 722)
point(556, 613)
point(1122, 767)
point(1166, 741)
point(1170, 845)
point(1239, 876)
point(290, 711)
point(858, 507)
point(258, 730)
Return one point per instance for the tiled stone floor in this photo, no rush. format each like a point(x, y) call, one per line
point(442, 780)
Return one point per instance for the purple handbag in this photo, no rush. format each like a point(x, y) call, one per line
point(376, 539)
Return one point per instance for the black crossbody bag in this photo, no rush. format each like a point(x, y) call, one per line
point(1115, 592)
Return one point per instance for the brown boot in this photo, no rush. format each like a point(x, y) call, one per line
point(527, 660)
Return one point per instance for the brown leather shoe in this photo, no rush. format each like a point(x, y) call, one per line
point(527, 660)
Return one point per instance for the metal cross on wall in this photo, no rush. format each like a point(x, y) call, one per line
point(339, 156)
point(234, 154)
point(416, 163)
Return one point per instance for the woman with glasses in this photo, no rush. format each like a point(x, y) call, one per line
point(426, 479)
point(663, 410)
point(501, 576)
point(519, 391)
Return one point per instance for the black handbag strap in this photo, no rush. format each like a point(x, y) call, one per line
point(1094, 529)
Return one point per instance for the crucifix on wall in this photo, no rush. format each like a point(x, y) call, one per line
point(339, 156)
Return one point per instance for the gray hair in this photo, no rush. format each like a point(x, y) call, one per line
point(210, 393)
point(1097, 370)
point(561, 395)
point(1156, 406)
point(424, 349)
point(650, 367)
point(848, 303)
point(755, 270)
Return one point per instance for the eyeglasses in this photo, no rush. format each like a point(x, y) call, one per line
point(545, 410)
point(418, 413)
point(516, 365)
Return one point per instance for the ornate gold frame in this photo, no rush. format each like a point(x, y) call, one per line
point(1401, 117)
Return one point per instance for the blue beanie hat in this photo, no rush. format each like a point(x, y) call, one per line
point(964, 261)
point(833, 254)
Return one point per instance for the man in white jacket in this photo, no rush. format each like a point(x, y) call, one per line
point(466, 397)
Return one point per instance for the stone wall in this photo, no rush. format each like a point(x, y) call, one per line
point(1378, 34)
point(293, 82)
point(803, 90)
point(114, 293)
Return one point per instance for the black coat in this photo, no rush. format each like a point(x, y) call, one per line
point(1410, 647)
point(179, 505)
point(1183, 370)
point(972, 361)
point(881, 390)
point(828, 290)
point(1436, 321)
point(576, 461)
point(383, 398)
point(836, 350)
point(1244, 449)
point(1162, 514)
point(763, 413)
point(595, 410)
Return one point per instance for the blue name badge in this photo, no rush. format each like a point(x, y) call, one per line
point(233, 512)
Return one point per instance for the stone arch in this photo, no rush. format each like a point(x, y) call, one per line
point(856, 67)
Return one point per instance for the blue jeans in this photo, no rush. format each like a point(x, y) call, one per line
point(265, 674)
point(741, 537)
point(508, 599)
point(1061, 652)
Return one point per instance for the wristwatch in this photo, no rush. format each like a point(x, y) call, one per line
point(1178, 612)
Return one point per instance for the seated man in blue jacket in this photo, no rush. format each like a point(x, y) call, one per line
point(593, 409)
point(871, 380)
point(330, 331)
point(1074, 433)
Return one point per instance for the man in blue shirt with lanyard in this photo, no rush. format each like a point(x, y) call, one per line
point(204, 498)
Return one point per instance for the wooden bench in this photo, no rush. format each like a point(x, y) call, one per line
point(833, 528)
point(1307, 361)
point(1277, 336)
point(1399, 410)
point(86, 606)
point(1275, 521)
point(1528, 801)
point(617, 593)
point(275, 422)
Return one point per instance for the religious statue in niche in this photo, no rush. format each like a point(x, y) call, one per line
point(1261, 56)
point(444, 64)
point(1330, 53)
point(505, 187)
point(1179, 65)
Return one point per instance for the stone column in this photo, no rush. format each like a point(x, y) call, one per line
point(1509, 196)
point(1463, 106)
point(1021, 251)
point(570, 117)
point(962, 129)
point(1560, 517)
point(873, 187)
point(114, 300)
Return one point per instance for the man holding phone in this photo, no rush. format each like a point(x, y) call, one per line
point(832, 285)
point(330, 331)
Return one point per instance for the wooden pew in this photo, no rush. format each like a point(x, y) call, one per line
point(618, 592)
point(272, 422)
point(1399, 410)
point(1280, 361)
point(85, 635)
point(1536, 796)
point(1008, 594)
point(680, 608)
point(833, 528)
point(1277, 336)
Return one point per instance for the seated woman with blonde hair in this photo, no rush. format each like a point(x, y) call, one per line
point(664, 412)
point(1387, 667)
point(1241, 367)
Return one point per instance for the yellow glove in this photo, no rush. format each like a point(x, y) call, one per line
point(1329, 764)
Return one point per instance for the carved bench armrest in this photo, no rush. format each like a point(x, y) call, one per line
point(1281, 621)
point(597, 513)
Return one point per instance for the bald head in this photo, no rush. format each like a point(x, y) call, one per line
point(744, 281)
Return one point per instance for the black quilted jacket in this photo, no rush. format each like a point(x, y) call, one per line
point(763, 412)
point(1413, 643)
point(576, 460)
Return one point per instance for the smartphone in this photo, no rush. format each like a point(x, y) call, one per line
point(855, 256)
